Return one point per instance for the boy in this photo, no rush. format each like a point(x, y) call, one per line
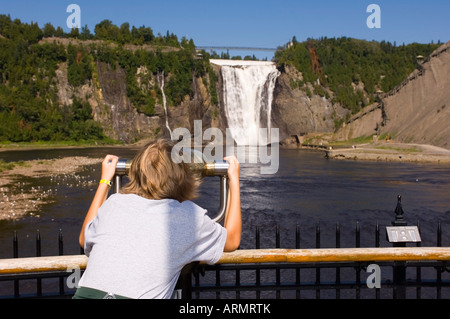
point(139, 240)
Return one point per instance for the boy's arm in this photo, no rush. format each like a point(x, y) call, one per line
point(108, 171)
point(233, 221)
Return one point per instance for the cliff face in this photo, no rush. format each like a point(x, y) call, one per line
point(420, 111)
point(198, 107)
point(416, 111)
point(111, 107)
point(296, 110)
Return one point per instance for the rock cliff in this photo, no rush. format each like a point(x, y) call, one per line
point(111, 107)
point(298, 110)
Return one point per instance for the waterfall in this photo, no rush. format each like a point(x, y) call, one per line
point(247, 96)
point(161, 86)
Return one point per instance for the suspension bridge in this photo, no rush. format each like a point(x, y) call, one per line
point(213, 48)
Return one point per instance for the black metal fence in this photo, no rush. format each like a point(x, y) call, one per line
point(39, 284)
point(334, 280)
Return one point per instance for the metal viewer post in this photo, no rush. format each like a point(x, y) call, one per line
point(122, 169)
point(218, 168)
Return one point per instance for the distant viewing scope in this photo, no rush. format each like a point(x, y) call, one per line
point(199, 164)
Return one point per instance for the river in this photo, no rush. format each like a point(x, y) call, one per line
point(307, 190)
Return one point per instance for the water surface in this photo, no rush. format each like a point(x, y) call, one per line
point(308, 190)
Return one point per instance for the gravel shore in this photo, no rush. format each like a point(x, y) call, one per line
point(392, 152)
point(17, 199)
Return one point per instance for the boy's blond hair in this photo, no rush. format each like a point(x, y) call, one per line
point(154, 175)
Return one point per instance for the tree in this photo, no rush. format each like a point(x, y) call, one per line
point(85, 33)
point(78, 69)
point(59, 32)
point(146, 33)
point(106, 30)
point(32, 33)
point(74, 33)
point(125, 34)
point(49, 30)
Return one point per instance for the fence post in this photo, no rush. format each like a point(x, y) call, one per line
point(38, 254)
point(16, 255)
point(399, 275)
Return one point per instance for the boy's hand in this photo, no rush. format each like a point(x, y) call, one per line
point(109, 167)
point(233, 168)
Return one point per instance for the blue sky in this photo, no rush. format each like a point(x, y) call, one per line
point(250, 23)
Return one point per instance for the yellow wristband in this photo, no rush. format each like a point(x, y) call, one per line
point(107, 182)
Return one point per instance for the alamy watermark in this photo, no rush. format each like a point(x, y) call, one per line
point(373, 20)
point(74, 19)
point(74, 277)
point(374, 279)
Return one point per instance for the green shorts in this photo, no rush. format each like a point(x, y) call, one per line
point(90, 293)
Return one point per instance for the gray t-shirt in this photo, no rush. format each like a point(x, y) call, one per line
point(137, 246)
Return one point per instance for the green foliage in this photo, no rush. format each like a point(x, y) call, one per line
point(81, 126)
point(298, 56)
point(107, 31)
point(15, 29)
point(345, 62)
point(213, 78)
point(4, 166)
point(141, 99)
point(29, 109)
point(79, 65)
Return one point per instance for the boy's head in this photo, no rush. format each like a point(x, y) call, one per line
point(154, 175)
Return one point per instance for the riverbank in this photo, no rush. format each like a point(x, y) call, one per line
point(26, 146)
point(18, 198)
point(391, 151)
point(368, 149)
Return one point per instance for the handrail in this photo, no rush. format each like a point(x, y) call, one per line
point(42, 264)
point(249, 256)
point(335, 255)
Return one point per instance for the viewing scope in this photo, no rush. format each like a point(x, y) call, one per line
point(199, 164)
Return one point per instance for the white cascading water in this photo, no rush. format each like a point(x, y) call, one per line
point(161, 86)
point(247, 95)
